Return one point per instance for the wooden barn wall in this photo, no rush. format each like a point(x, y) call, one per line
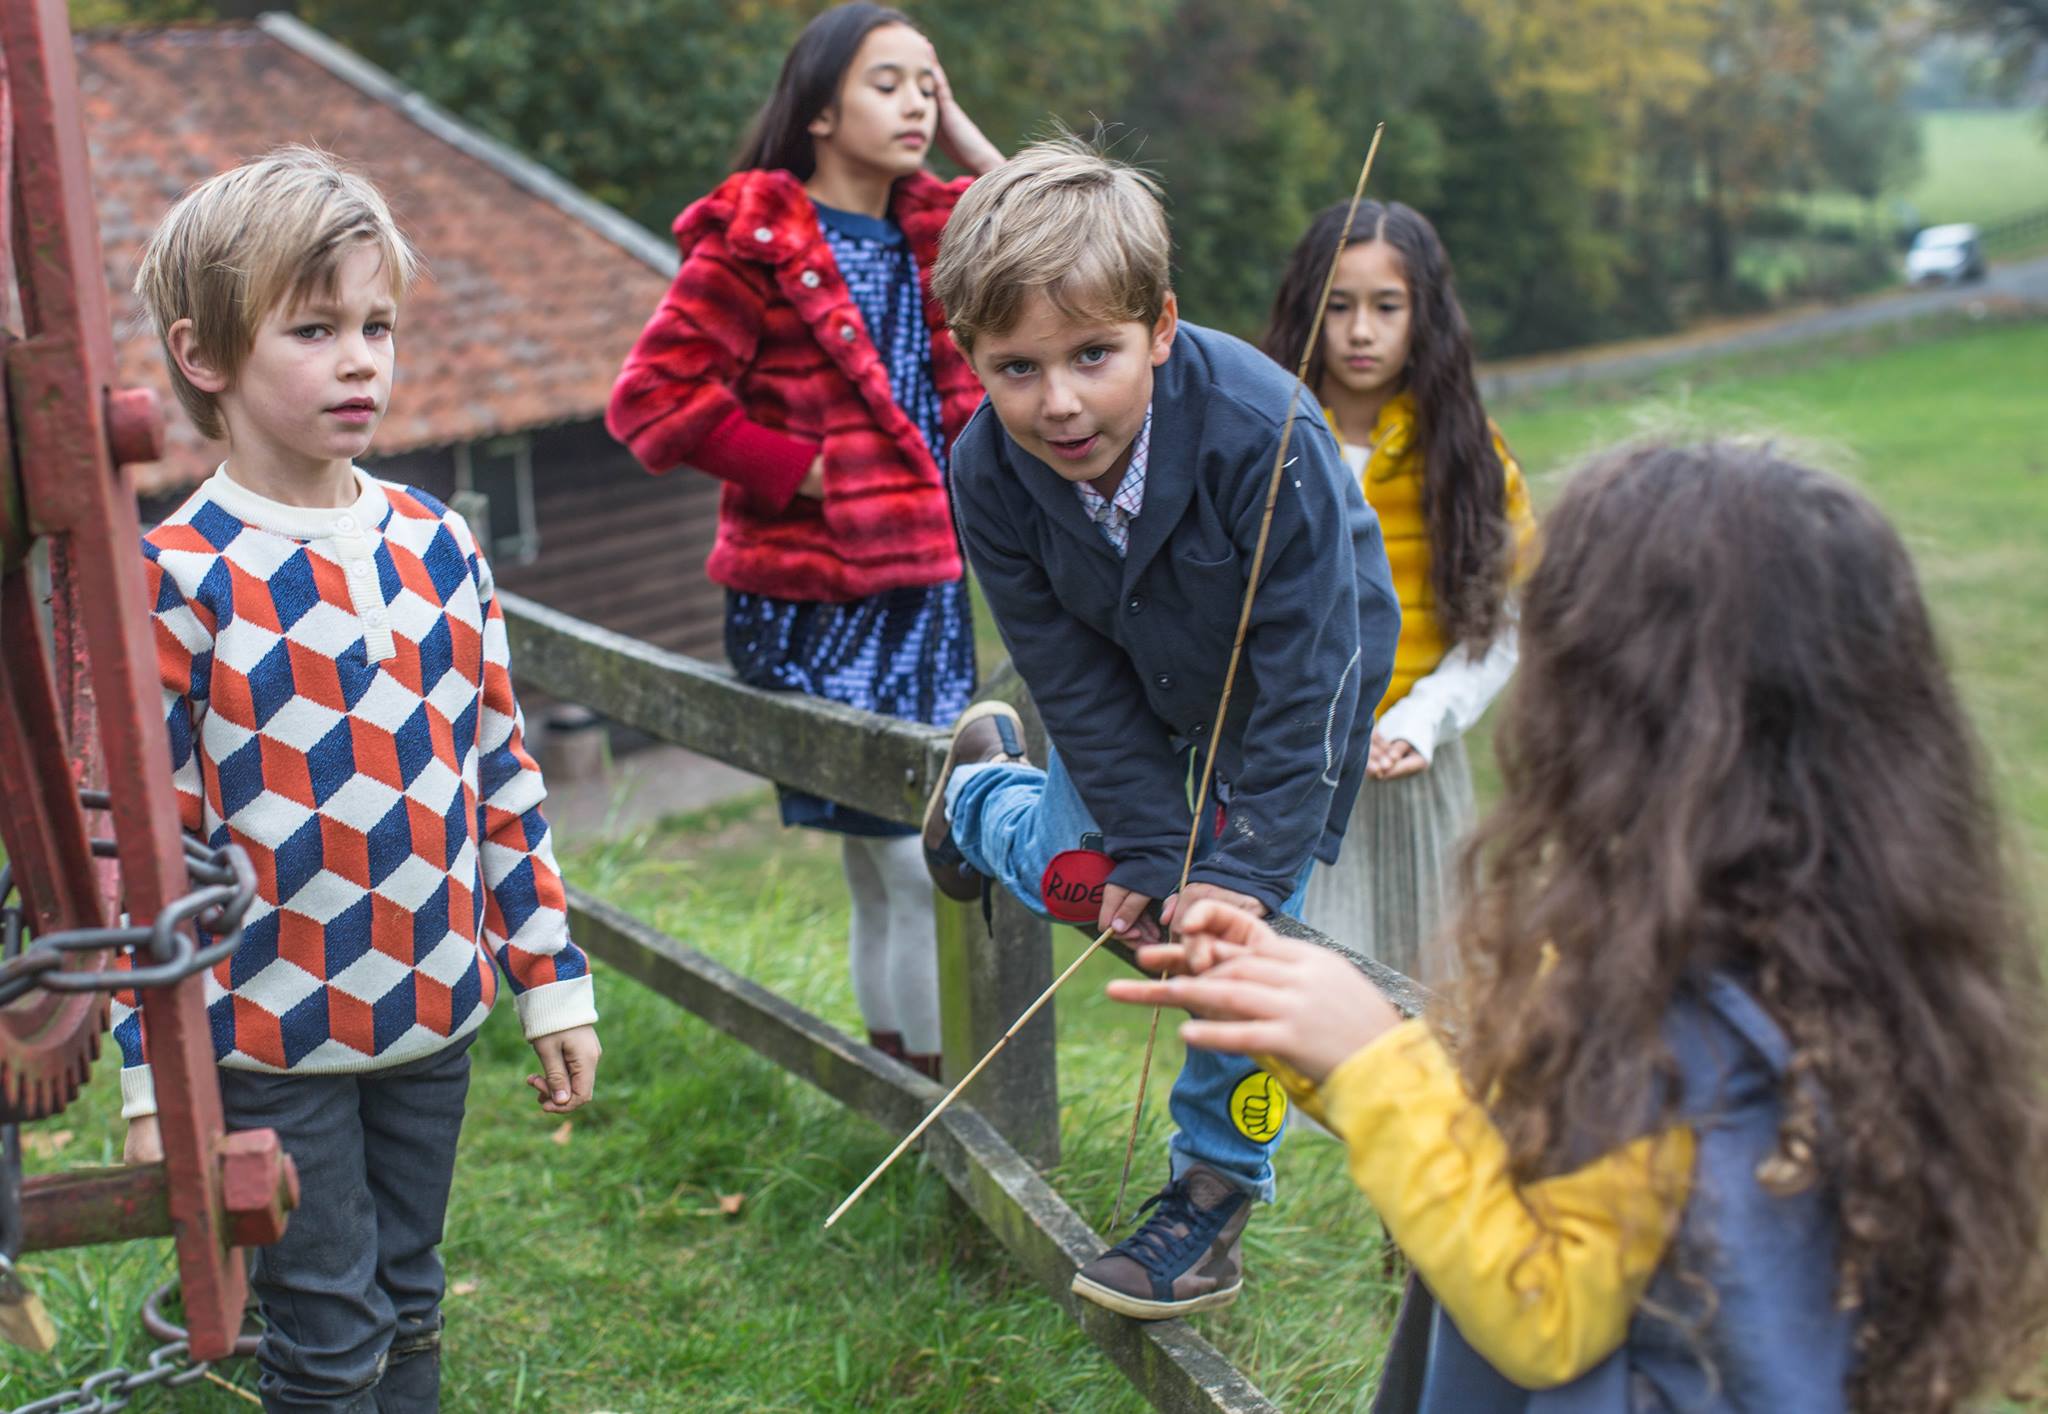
point(617, 547)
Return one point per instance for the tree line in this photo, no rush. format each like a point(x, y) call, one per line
point(1595, 170)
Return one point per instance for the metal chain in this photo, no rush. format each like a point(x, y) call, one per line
point(163, 954)
point(170, 1365)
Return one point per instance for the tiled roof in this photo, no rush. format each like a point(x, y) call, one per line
point(532, 292)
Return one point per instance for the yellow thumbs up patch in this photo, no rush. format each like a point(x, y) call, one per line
point(1258, 1107)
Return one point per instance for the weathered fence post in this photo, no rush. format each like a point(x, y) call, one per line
point(988, 973)
point(987, 976)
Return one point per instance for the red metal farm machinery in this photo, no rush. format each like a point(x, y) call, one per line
point(100, 889)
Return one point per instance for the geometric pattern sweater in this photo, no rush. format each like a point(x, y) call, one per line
point(339, 696)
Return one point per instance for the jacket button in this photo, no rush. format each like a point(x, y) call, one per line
point(1199, 730)
point(810, 279)
point(763, 234)
point(846, 332)
point(1164, 680)
point(1136, 604)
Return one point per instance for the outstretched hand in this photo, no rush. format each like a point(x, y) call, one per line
point(1252, 992)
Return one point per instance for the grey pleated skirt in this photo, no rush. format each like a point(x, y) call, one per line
point(1389, 890)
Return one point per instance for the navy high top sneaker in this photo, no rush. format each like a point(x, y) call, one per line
point(1186, 1257)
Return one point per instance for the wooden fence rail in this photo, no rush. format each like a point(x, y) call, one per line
point(990, 1150)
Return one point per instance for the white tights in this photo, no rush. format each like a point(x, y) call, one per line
point(892, 946)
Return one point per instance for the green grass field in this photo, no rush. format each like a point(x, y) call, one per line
point(1981, 165)
point(1947, 434)
point(591, 1267)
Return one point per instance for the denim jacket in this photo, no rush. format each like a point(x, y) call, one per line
point(1770, 1339)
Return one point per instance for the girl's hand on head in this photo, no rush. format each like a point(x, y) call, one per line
point(813, 484)
point(958, 137)
point(1256, 993)
point(1389, 760)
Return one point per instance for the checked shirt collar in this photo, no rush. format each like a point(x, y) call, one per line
point(1113, 514)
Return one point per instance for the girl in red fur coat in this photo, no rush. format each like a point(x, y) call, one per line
point(800, 358)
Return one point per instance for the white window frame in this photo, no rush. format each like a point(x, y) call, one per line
point(506, 550)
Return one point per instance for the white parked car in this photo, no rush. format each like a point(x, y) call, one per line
point(1945, 254)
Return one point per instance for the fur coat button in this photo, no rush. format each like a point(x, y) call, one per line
point(763, 234)
point(810, 279)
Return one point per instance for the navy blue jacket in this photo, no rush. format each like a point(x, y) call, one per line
point(1125, 658)
point(1770, 1338)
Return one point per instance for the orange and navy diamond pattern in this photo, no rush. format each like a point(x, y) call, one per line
point(341, 706)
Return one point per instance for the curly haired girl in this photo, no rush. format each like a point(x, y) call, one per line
point(1737, 1105)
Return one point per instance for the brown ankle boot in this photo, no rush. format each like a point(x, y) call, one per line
point(927, 1066)
point(889, 1043)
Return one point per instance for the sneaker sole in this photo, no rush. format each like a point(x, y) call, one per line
point(1137, 1308)
point(935, 805)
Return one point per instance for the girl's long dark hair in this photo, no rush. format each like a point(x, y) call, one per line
point(1731, 744)
point(809, 84)
point(1464, 485)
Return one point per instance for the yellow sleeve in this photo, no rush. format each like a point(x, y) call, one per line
point(1521, 518)
point(1541, 1278)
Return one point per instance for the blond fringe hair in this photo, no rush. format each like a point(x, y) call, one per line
point(1059, 219)
point(269, 232)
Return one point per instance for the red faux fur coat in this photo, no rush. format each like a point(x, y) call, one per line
point(757, 360)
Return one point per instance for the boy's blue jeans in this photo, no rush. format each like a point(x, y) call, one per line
point(1009, 822)
point(351, 1294)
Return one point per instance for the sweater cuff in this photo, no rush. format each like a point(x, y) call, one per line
point(138, 1092)
point(557, 1006)
point(767, 464)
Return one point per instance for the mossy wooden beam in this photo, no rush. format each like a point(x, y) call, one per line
point(875, 763)
point(988, 975)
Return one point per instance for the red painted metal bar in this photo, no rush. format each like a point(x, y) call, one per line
point(81, 1207)
point(72, 436)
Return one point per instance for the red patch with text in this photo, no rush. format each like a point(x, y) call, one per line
point(1072, 886)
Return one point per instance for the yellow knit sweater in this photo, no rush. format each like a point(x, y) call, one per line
point(1393, 488)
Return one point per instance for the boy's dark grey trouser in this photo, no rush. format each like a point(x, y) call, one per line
point(352, 1293)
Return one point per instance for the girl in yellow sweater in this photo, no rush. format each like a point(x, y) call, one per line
point(1393, 369)
point(1737, 1103)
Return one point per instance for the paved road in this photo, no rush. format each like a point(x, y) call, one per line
point(2022, 281)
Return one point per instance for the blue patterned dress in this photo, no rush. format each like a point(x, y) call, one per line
point(905, 652)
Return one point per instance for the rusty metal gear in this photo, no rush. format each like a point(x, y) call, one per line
point(54, 991)
point(48, 1040)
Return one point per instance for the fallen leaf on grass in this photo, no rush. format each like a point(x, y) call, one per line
point(45, 1142)
point(729, 1203)
point(463, 1288)
point(561, 1136)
